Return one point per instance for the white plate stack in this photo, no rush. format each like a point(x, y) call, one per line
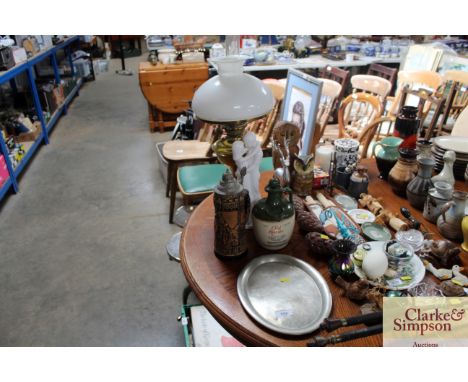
point(457, 144)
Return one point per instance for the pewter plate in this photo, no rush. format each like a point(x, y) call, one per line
point(284, 294)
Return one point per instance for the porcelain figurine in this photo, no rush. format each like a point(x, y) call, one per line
point(303, 174)
point(452, 214)
point(459, 278)
point(465, 233)
point(446, 175)
point(416, 191)
point(441, 273)
point(247, 155)
point(437, 196)
point(441, 253)
point(273, 217)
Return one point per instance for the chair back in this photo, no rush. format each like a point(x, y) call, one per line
point(430, 108)
point(356, 112)
point(415, 80)
point(263, 127)
point(455, 87)
point(371, 84)
point(383, 71)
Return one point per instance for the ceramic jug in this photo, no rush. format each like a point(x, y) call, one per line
point(404, 171)
point(273, 217)
point(387, 156)
point(424, 147)
point(452, 213)
point(407, 125)
point(446, 175)
point(416, 191)
point(437, 196)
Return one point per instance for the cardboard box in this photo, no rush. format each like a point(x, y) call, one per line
point(19, 55)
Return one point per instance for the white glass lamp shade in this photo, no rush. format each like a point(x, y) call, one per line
point(232, 95)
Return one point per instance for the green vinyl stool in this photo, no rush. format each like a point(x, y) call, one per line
point(198, 181)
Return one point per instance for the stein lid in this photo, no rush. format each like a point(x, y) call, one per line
point(228, 185)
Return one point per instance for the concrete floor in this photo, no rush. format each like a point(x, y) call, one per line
point(82, 246)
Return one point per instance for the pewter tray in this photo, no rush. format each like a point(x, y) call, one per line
point(284, 294)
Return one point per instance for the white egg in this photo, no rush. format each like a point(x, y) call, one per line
point(375, 264)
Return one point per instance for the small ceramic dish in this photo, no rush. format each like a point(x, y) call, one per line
point(361, 216)
point(346, 202)
point(376, 232)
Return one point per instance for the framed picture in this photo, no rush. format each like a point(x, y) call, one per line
point(300, 105)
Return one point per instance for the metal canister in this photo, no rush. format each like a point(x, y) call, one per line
point(232, 208)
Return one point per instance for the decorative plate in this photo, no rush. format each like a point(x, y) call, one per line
point(361, 216)
point(409, 277)
point(346, 202)
point(376, 232)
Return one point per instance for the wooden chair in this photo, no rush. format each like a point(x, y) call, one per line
point(374, 85)
point(455, 85)
point(430, 107)
point(263, 127)
point(327, 106)
point(357, 111)
point(415, 80)
point(383, 71)
point(373, 132)
point(342, 77)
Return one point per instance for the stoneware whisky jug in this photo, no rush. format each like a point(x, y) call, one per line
point(273, 217)
point(452, 214)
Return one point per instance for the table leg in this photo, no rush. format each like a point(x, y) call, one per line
point(169, 177)
point(173, 192)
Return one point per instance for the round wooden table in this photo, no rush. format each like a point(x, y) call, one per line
point(214, 281)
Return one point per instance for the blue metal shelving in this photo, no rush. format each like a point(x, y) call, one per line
point(28, 67)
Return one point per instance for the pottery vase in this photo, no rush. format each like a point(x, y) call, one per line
point(452, 213)
point(437, 196)
point(273, 217)
point(387, 156)
point(358, 182)
point(446, 175)
point(404, 171)
point(416, 191)
point(424, 147)
point(341, 264)
point(407, 125)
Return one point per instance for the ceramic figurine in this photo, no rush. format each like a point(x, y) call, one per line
point(446, 175)
point(441, 253)
point(303, 175)
point(357, 290)
point(247, 155)
point(465, 233)
point(452, 214)
point(450, 289)
point(459, 278)
point(273, 217)
point(441, 273)
point(232, 208)
point(387, 156)
point(358, 182)
point(437, 196)
point(416, 191)
point(404, 171)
